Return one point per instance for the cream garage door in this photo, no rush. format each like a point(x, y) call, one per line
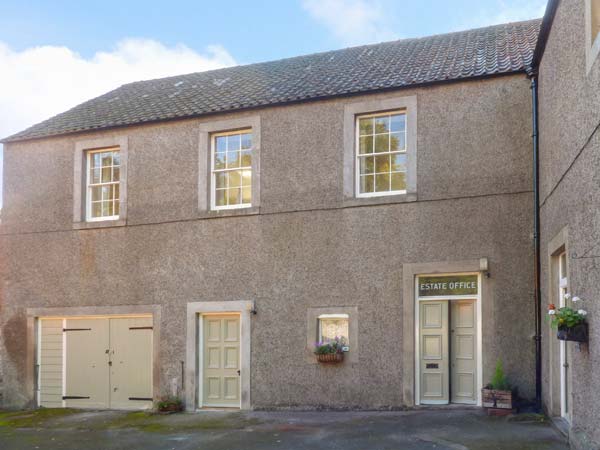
point(221, 360)
point(95, 362)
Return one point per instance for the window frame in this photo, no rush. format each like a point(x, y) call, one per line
point(88, 186)
point(357, 173)
point(213, 185)
point(334, 316)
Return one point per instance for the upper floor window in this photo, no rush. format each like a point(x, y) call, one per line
point(381, 154)
point(103, 183)
point(332, 326)
point(231, 170)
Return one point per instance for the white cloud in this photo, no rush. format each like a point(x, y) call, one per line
point(503, 12)
point(352, 22)
point(40, 82)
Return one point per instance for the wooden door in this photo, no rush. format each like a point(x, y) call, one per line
point(463, 351)
point(221, 361)
point(86, 366)
point(433, 339)
point(131, 363)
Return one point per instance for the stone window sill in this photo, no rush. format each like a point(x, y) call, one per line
point(383, 200)
point(211, 214)
point(99, 224)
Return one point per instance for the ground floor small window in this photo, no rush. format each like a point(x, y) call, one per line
point(332, 326)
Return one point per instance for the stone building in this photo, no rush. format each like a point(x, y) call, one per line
point(196, 235)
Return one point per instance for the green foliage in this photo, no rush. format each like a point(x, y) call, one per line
point(566, 318)
point(170, 404)
point(333, 346)
point(499, 381)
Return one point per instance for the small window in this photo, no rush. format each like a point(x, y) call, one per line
point(103, 182)
point(381, 154)
point(231, 170)
point(333, 326)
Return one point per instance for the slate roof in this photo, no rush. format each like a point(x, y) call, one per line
point(454, 56)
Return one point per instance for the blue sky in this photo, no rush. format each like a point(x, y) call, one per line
point(56, 54)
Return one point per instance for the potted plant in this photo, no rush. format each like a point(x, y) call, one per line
point(169, 405)
point(498, 394)
point(330, 352)
point(569, 322)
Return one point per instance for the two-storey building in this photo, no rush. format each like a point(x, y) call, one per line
point(196, 235)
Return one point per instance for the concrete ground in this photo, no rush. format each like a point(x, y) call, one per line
point(218, 430)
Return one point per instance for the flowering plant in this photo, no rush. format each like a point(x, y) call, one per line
point(566, 317)
point(333, 346)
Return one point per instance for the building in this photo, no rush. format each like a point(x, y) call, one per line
point(569, 115)
point(195, 235)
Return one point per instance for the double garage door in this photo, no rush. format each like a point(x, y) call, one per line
point(95, 362)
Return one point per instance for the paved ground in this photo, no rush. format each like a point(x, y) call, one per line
point(439, 430)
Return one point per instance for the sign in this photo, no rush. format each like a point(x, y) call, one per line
point(437, 286)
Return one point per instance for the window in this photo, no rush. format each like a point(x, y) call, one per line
point(231, 170)
point(332, 326)
point(381, 158)
point(103, 183)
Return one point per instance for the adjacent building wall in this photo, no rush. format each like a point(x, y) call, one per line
point(570, 205)
point(302, 250)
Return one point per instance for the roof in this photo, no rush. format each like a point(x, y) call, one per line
point(481, 52)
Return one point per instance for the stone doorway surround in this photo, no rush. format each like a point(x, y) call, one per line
point(409, 274)
point(192, 375)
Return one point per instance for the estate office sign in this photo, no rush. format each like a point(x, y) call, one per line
point(435, 286)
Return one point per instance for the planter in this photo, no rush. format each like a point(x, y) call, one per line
point(492, 398)
point(330, 358)
point(579, 333)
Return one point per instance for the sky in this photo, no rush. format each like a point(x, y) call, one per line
point(55, 54)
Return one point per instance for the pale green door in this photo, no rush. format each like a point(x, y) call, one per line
point(131, 363)
point(433, 352)
point(463, 351)
point(86, 365)
point(221, 361)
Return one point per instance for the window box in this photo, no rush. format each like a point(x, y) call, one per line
point(330, 358)
point(578, 333)
point(494, 398)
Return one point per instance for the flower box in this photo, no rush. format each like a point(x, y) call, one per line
point(493, 398)
point(330, 358)
point(578, 333)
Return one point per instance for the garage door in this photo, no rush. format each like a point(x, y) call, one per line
point(95, 362)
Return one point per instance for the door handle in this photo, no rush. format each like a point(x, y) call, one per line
point(565, 365)
point(239, 373)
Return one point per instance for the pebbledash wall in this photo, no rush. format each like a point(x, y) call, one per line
point(569, 80)
point(307, 246)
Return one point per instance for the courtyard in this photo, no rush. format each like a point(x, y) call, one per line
point(456, 429)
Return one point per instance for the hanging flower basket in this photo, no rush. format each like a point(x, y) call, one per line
point(578, 333)
point(569, 322)
point(330, 358)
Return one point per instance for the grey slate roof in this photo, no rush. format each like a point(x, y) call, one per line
point(466, 54)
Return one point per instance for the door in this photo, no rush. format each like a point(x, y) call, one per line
point(221, 360)
point(565, 356)
point(433, 340)
point(131, 363)
point(463, 351)
point(86, 367)
point(96, 362)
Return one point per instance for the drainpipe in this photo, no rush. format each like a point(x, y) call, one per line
point(536, 243)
